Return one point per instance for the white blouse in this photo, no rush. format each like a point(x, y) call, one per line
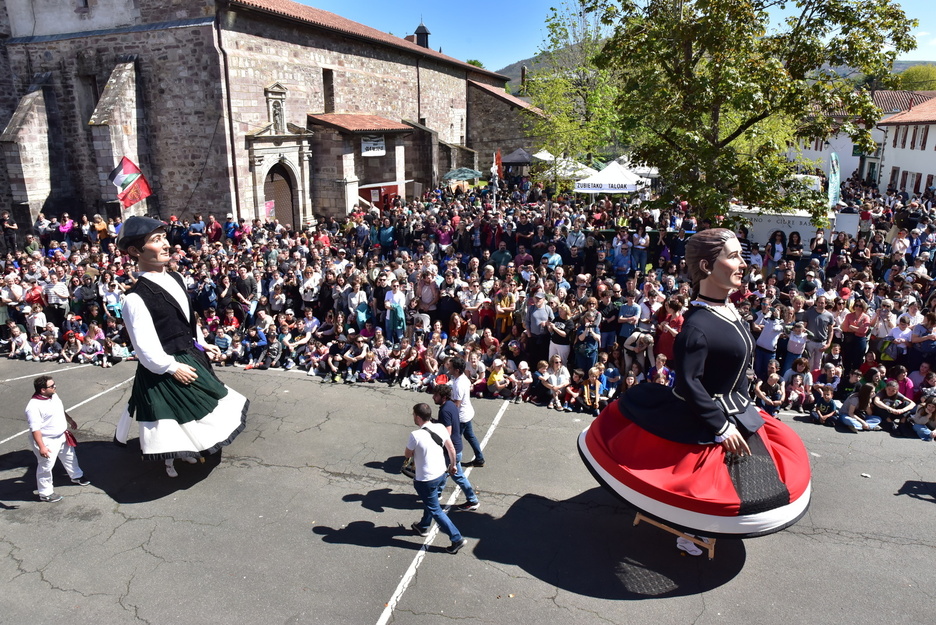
point(142, 330)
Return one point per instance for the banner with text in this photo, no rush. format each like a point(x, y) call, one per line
point(373, 145)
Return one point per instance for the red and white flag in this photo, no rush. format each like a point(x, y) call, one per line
point(132, 186)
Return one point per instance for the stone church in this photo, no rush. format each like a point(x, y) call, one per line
point(251, 107)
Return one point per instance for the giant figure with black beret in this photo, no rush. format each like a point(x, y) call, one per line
point(183, 409)
point(699, 456)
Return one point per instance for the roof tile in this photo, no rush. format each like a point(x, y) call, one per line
point(924, 113)
point(501, 93)
point(893, 100)
point(335, 22)
point(358, 123)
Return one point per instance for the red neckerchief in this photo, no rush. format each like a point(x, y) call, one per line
point(40, 396)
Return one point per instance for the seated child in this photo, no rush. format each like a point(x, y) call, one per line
point(594, 394)
point(770, 394)
point(796, 395)
point(369, 370)
point(825, 409)
point(520, 381)
point(538, 393)
point(572, 395)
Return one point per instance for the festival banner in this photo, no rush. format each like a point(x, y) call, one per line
point(835, 181)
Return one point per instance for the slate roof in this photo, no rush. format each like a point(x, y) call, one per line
point(331, 21)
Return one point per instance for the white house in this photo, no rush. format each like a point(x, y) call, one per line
point(851, 160)
point(909, 162)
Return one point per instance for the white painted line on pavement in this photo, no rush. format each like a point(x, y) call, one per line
point(78, 405)
point(14, 436)
point(93, 397)
point(36, 375)
point(417, 560)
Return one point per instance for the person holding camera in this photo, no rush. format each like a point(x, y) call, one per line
point(587, 341)
point(769, 324)
point(425, 446)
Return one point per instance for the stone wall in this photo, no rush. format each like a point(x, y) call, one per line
point(8, 100)
point(200, 100)
point(366, 79)
point(373, 169)
point(30, 151)
point(330, 167)
point(494, 124)
point(32, 18)
point(422, 156)
point(117, 129)
point(443, 100)
point(25, 145)
point(179, 79)
point(153, 11)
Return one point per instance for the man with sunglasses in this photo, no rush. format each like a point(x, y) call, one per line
point(48, 423)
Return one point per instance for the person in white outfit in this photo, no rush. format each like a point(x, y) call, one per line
point(48, 423)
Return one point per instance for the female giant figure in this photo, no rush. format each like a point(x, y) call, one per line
point(700, 456)
point(183, 409)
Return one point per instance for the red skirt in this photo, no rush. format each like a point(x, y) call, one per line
point(699, 488)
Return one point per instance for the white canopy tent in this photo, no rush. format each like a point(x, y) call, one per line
point(567, 168)
point(564, 168)
point(614, 178)
point(641, 170)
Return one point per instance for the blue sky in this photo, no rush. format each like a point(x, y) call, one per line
point(499, 33)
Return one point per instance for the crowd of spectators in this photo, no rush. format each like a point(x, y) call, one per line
point(560, 303)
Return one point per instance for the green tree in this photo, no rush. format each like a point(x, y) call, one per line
point(475, 62)
point(715, 92)
point(918, 78)
point(575, 96)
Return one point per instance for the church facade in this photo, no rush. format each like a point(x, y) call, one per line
point(251, 107)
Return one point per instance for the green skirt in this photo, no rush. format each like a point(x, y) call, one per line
point(161, 396)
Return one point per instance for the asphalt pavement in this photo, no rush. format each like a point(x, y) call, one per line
point(305, 519)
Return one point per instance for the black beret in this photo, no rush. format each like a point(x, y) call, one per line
point(135, 227)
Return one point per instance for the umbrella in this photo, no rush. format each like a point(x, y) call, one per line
point(462, 173)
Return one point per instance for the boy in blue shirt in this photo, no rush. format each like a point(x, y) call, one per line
point(628, 315)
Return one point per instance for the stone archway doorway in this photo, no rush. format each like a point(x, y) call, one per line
point(278, 188)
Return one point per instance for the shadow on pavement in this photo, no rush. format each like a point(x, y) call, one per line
point(925, 491)
point(381, 499)
point(391, 465)
point(588, 545)
point(366, 534)
point(118, 471)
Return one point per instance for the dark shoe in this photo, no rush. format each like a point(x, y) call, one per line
point(455, 547)
point(477, 463)
point(81, 481)
point(468, 506)
point(419, 530)
point(468, 463)
point(51, 498)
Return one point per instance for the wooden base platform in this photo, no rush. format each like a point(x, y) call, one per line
point(702, 544)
